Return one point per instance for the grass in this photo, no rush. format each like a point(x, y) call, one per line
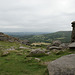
point(16, 63)
point(40, 43)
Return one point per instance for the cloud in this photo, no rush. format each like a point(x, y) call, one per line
point(36, 15)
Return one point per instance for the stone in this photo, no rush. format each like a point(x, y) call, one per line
point(26, 42)
point(73, 32)
point(12, 48)
point(38, 59)
point(21, 47)
point(64, 45)
point(56, 43)
point(5, 53)
point(48, 47)
point(55, 47)
point(72, 45)
point(73, 22)
point(64, 65)
point(37, 53)
point(48, 53)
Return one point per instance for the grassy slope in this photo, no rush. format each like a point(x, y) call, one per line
point(16, 64)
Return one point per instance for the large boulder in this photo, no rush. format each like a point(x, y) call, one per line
point(56, 43)
point(37, 53)
point(64, 45)
point(62, 66)
point(72, 45)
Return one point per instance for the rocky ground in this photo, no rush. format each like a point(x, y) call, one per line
point(20, 59)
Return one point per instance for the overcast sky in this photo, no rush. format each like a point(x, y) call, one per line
point(36, 15)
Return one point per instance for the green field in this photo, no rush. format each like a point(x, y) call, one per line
point(16, 62)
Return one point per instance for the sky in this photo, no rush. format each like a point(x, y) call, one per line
point(36, 15)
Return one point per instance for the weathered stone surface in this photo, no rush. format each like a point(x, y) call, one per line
point(21, 47)
point(12, 48)
point(37, 52)
point(64, 45)
point(5, 53)
point(62, 66)
point(26, 42)
point(54, 47)
point(72, 45)
point(73, 22)
point(38, 59)
point(4, 37)
point(56, 43)
point(73, 32)
point(48, 47)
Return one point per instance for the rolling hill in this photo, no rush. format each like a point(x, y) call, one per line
point(64, 36)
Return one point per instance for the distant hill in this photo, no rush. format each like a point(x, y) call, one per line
point(25, 33)
point(64, 36)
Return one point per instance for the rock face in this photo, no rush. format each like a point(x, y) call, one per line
point(73, 32)
point(62, 66)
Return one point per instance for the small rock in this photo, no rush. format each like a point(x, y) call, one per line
point(54, 47)
point(5, 53)
point(21, 47)
point(26, 42)
point(48, 53)
point(11, 49)
point(38, 59)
